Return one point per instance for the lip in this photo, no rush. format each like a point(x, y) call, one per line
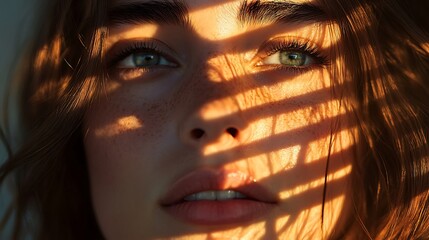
point(206, 212)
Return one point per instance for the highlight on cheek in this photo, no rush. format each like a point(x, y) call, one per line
point(287, 159)
point(307, 187)
point(311, 217)
point(309, 157)
point(343, 139)
point(308, 117)
point(299, 119)
point(127, 75)
point(261, 97)
point(121, 126)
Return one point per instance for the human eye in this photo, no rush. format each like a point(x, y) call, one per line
point(141, 55)
point(144, 58)
point(291, 55)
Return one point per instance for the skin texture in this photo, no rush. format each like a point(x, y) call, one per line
point(139, 136)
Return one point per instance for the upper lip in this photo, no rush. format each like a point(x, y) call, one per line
point(216, 179)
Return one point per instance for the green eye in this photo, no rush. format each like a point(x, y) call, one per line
point(294, 59)
point(287, 58)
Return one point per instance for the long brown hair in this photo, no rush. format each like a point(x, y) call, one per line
point(385, 51)
point(49, 169)
point(383, 72)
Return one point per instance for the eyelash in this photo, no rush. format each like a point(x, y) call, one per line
point(135, 47)
point(302, 46)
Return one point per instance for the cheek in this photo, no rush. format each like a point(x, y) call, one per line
point(123, 141)
point(118, 136)
point(295, 135)
point(124, 126)
point(292, 147)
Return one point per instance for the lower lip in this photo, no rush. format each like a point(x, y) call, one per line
point(207, 212)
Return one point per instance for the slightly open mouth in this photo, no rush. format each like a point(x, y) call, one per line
point(212, 197)
point(222, 195)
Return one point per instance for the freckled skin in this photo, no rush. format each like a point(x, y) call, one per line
point(284, 120)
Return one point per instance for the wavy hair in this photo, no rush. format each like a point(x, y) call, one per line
point(49, 170)
point(385, 51)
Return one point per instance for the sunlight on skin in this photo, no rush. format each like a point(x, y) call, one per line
point(291, 88)
point(316, 183)
point(296, 119)
point(121, 126)
point(286, 159)
point(293, 110)
point(296, 31)
point(224, 30)
point(223, 33)
point(311, 217)
point(282, 123)
point(119, 34)
point(268, 164)
point(256, 231)
point(342, 141)
point(223, 27)
point(264, 167)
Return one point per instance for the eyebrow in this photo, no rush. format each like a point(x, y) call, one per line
point(257, 12)
point(162, 12)
point(176, 12)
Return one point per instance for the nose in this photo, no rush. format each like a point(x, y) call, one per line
point(218, 122)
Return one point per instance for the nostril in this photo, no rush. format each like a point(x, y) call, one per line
point(197, 133)
point(232, 131)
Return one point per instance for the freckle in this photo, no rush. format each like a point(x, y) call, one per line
point(155, 116)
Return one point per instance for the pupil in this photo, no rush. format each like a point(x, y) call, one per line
point(292, 58)
point(146, 59)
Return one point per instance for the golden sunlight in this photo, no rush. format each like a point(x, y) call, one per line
point(121, 126)
point(341, 173)
point(305, 117)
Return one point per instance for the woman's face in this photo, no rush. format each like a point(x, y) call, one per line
point(217, 121)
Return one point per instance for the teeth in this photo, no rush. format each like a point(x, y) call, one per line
point(224, 195)
point(215, 195)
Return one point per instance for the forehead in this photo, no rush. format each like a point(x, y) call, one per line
point(215, 19)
